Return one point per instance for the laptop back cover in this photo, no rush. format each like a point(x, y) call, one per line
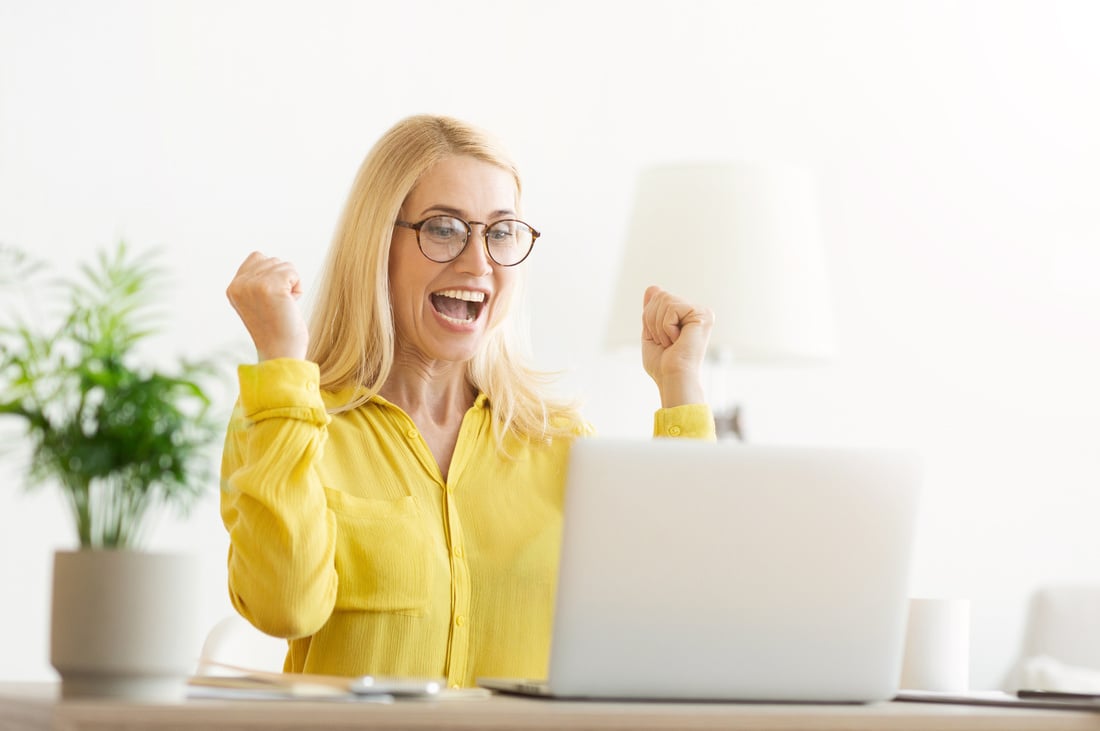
point(726, 571)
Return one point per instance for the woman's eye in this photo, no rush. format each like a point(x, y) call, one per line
point(441, 232)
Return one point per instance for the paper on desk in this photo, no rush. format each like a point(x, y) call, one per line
point(982, 697)
point(198, 689)
point(993, 698)
point(276, 686)
point(245, 683)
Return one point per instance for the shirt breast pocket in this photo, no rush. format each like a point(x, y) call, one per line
point(382, 554)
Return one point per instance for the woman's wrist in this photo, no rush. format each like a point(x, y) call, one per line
point(680, 390)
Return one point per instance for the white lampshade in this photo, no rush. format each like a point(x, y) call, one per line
point(741, 238)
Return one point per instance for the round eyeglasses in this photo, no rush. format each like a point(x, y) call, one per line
point(444, 238)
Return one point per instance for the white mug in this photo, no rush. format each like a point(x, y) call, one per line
point(937, 646)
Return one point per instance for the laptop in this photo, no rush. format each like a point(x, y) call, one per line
point(721, 571)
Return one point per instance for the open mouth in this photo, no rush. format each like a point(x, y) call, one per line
point(459, 306)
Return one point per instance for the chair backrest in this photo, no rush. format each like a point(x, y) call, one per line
point(1065, 624)
point(1061, 640)
point(233, 641)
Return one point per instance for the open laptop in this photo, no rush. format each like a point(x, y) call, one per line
point(721, 571)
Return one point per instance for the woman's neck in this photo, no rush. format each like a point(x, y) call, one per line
point(434, 395)
point(436, 399)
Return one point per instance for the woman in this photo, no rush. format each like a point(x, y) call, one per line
point(393, 474)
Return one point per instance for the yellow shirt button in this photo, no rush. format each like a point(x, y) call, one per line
point(460, 620)
point(458, 552)
point(411, 433)
point(674, 431)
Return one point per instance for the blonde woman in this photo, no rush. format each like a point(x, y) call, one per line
point(393, 473)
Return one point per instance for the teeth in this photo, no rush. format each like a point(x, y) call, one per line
point(463, 294)
point(457, 322)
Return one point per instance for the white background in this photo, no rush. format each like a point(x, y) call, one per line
point(956, 145)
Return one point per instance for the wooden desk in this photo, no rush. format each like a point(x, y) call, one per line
point(35, 707)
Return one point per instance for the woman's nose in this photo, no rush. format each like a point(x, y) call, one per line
point(474, 259)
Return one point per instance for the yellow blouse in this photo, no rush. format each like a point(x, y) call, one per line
point(346, 540)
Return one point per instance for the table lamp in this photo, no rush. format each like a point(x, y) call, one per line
point(744, 239)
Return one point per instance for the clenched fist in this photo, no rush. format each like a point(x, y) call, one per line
point(265, 293)
point(675, 334)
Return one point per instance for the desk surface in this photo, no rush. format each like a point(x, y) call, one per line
point(34, 707)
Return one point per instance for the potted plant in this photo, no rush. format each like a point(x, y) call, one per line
point(121, 441)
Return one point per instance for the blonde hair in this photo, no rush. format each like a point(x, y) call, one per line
point(352, 335)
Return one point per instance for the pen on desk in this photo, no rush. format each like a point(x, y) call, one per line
point(1059, 695)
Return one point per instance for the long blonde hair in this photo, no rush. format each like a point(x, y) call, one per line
point(351, 329)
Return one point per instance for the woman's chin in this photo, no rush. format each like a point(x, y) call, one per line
point(459, 345)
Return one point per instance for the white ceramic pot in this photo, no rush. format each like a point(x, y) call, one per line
point(124, 623)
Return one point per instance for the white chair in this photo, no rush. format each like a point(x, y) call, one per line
point(232, 641)
point(1061, 642)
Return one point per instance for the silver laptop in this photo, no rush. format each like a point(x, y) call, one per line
point(706, 571)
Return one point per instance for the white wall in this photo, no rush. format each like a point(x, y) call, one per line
point(956, 144)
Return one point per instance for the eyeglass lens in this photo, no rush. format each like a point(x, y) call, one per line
point(442, 238)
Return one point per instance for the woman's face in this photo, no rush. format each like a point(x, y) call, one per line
point(442, 312)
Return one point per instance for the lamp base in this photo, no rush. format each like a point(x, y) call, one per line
point(727, 423)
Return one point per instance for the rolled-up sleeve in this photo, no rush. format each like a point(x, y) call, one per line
point(282, 575)
point(690, 421)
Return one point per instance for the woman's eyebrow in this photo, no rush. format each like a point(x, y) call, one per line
point(461, 214)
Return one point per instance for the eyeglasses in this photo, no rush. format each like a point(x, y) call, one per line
point(444, 238)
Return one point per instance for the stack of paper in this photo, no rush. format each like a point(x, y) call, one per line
point(243, 683)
